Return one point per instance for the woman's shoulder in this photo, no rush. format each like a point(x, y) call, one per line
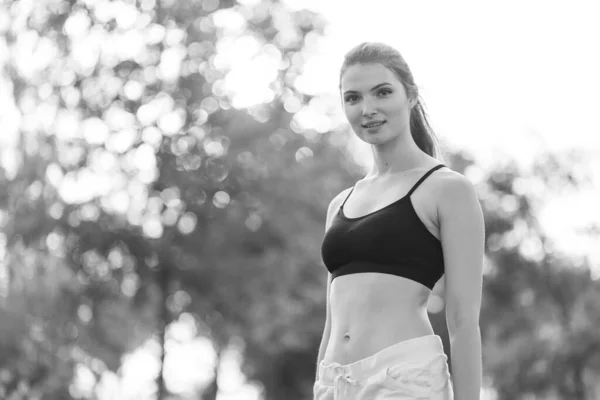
point(449, 179)
point(445, 180)
point(339, 198)
point(453, 187)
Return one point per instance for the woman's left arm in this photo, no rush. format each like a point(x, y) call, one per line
point(462, 235)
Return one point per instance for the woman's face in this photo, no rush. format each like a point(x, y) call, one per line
point(371, 93)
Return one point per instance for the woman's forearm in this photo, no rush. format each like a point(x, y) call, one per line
point(465, 347)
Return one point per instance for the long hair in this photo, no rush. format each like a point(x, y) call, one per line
point(389, 57)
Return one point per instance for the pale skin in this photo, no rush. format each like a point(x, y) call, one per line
point(447, 205)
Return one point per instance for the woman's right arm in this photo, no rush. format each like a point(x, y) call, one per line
point(331, 210)
point(327, 330)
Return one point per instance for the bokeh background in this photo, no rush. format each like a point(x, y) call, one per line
point(166, 166)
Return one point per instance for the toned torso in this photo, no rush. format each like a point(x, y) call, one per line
point(372, 311)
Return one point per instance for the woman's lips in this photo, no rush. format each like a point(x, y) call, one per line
point(374, 127)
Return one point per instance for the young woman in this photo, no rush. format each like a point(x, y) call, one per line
point(388, 240)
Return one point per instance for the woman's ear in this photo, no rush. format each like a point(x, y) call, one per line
point(412, 102)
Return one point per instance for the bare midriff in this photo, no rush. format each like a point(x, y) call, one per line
point(372, 311)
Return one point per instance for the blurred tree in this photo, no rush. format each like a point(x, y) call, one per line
point(540, 308)
point(129, 95)
point(153, 186)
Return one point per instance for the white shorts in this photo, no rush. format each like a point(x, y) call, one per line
point(412, 369)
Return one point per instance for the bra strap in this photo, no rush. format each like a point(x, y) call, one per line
point(351, 190)
point(423, 178)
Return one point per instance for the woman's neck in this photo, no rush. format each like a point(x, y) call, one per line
point(397, 158)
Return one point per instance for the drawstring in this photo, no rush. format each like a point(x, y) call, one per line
point(348, 379)
point(336, 385)
point(345, 377)
point(340, 373)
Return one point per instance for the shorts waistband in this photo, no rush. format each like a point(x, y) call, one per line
point(414, 349)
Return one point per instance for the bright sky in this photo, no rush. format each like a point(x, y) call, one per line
point(502, 79)
point(488, 72)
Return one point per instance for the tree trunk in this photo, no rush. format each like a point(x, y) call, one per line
point(163, 322)
point(578, 384)
point(211, 391)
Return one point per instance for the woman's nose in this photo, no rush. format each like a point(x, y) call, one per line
point(368, 108)
point(368, 112)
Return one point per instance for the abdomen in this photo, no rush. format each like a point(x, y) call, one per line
point(372, 311)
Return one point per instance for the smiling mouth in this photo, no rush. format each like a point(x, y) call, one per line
point(373, 124)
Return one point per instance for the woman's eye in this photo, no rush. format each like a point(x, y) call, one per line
point(352, 98)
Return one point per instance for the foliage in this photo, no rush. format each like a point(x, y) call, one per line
point(144, 190)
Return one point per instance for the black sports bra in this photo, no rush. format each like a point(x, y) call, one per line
point(391, 240)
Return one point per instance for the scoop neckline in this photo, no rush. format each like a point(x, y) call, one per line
point(343, 215)
point(407, 195)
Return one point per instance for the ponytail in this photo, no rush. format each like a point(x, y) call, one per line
point(421, 131)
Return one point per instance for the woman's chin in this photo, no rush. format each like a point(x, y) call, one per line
point(374, 138)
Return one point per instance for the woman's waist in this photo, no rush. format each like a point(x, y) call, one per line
point(352, 339)
point(373, 322)
point(347, 351)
